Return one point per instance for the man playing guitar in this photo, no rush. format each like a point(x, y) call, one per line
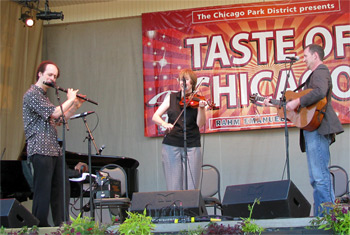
point(316, 142)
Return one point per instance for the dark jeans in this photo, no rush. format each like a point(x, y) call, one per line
point(48, 189)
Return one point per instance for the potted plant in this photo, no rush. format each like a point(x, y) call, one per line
point(79, 226)
point(336, 217)
point(136, 223)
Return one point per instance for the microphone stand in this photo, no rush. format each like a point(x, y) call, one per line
point(283, 104)
point(90, 138)
point(64, 126)
point(185, 132)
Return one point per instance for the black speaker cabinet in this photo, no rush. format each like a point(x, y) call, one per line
point(278, 199)
point(15, 215)
point(166, 203)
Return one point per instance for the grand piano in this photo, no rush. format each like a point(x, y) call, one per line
point(16, 177)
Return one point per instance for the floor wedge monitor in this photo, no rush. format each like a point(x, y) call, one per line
point(169, 203)
point(15, 215)
point(278, 199)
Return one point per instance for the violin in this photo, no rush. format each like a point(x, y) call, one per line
point(193, 99)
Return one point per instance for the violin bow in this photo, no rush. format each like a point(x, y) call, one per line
point(189, 100)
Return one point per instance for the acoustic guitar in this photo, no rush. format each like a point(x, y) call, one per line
point(307, 118)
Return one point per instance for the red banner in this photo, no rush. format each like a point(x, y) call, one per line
point(241, 50)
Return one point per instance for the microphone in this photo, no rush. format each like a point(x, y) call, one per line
point(50, 84)
point(293, 58)
point(183, 79)
point(86, 208)
point(82, 114)
point(101, 149)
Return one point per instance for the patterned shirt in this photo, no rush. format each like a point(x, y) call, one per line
point(40, 129)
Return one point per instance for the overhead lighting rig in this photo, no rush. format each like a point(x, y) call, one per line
point(49, 15)
point(33, 5)
point(27, 18)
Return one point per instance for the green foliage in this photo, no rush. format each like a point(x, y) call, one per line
point(31, 231)
point(80, 225)
point(136, 223)
point(335, 217)
point(248, 224)
point(197, 231)
point(2, 230)
point(24, 230)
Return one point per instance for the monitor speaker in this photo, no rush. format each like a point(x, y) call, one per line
point(15, 215)
point(278, 199)
point(169, 203)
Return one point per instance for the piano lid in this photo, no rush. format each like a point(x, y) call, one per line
point(73, 158)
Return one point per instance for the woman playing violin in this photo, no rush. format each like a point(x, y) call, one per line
point(173, 142)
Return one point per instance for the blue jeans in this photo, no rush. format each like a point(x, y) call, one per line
point(317, 151)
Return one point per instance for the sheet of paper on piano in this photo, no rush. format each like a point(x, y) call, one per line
point(82, 178)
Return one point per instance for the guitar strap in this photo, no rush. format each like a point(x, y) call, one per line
point(328, 92)
point(331, 137)
point(304, 83)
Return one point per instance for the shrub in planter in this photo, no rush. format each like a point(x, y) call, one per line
point(336, 217)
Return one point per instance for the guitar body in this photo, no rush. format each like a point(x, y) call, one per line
point(307, 118)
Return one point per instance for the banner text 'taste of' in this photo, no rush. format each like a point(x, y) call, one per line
point(240, 50)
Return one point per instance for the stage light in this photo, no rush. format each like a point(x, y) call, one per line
point(27, 19)
point(49, 15)
point(33, 5)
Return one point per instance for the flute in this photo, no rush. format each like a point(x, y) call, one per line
point(64, 90)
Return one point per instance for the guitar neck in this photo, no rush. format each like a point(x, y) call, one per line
point(272, 101)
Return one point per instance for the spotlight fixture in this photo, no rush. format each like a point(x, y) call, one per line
point(46, 14)
point(27, 19)
point(49, 15)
